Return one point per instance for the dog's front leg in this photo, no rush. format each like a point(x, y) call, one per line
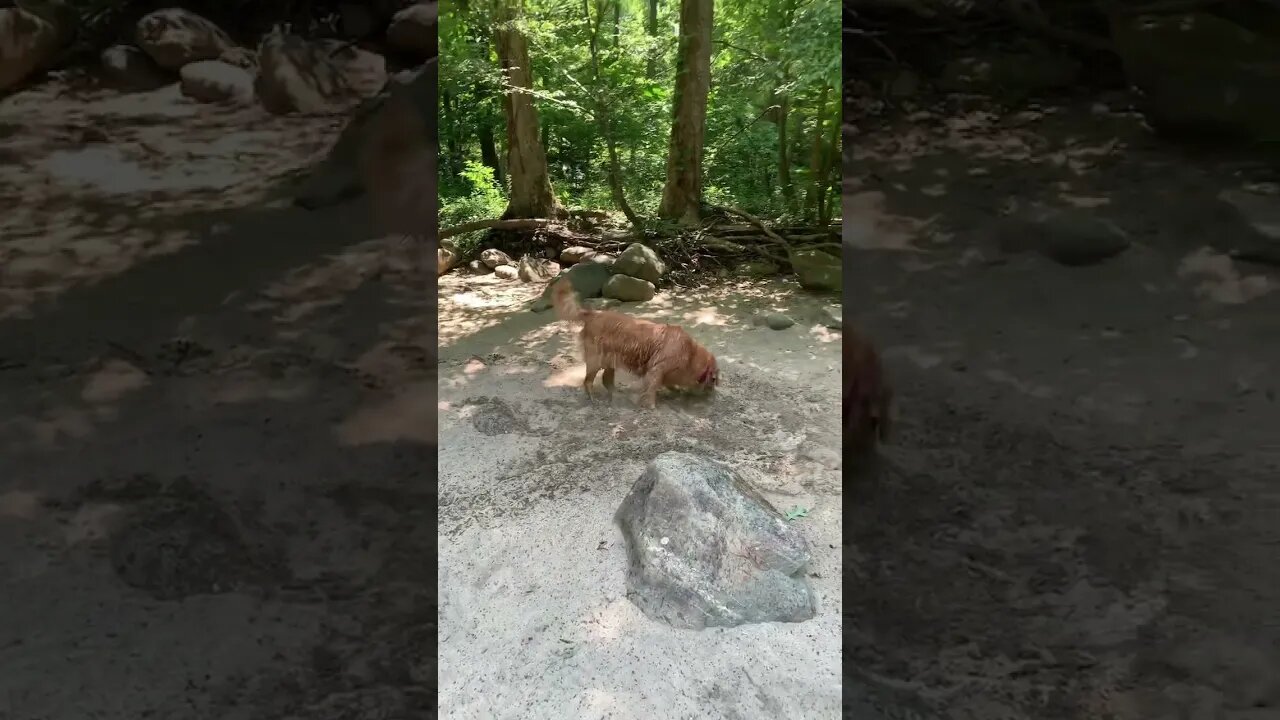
point(590, 380)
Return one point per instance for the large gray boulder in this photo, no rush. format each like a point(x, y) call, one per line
point(640, 261)
point(817, 270)
point(705, 549)
point(174, 37)
point(214, 81)
point(588, 280)
point(1202, 75)
point(629, 289)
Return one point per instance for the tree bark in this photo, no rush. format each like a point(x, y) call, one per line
point(832, 157)
point(651, 26)
point(531, 194)
point(784, 158)
point(812, 197)
point(682, 193)
point(489, 151)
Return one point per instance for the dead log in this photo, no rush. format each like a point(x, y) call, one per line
point(516, 224)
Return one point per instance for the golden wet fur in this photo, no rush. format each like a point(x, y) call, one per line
point(867, 395)
point(660, 355)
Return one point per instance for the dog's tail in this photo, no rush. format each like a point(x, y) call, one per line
point(565, 301)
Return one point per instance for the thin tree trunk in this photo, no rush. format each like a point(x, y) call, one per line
point(815, 157)
point(531, 194)
point(682, 194)
point(651, 26)
point(489, 151)
point(832, 154)
point(602, 114)
point(784, 158)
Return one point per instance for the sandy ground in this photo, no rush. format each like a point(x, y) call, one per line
point(533, 618)
point(1078, 517)
point(215, 495)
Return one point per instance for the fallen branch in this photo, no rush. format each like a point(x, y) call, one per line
point(754, 221)
point(519, 224)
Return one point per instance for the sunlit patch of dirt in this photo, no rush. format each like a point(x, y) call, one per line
point(23, 504)
point(868, 226)
point(112, 381)
point(406, 413)
point(1220, 280)
point(95, 181)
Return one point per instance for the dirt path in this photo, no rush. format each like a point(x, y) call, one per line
point(533, 618)
point(218, 424)
point(1078, 517)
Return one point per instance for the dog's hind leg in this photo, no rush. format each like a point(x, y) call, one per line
point(607, 379)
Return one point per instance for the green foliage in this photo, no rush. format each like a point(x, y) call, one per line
point(483, 199)
point(763, 51)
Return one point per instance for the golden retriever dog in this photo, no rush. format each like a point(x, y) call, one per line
point(867, 395)
point(660, 355)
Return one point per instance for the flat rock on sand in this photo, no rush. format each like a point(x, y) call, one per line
point(706, 549)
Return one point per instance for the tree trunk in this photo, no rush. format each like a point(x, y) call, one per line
point(651, 25)
point(682, 193)
point(815, 157)
point(602, 112)
point(784, 158)
point(832, 156)
point(531, 194)
point(489, 151)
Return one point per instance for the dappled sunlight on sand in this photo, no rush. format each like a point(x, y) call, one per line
point(22, 504)
point(407, 413)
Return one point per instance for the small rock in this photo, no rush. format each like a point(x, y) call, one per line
point(604, 259)
point(575, 254)
point(640, 261)
point(129, 69)
point(413, 30)
point(629, 289)
point(535, 269)
point(1071, 237)
point(479, 268)
point(446, 259)
point(831, 316)
point(817, 270)
point(174, 37)
point(705, 549)
point(28, 43)
point(494, 257)
point(779, 321)
point(506, 272)
point(213, 81)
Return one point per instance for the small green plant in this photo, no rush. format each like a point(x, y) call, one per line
point(484, 199)
point(796, 512)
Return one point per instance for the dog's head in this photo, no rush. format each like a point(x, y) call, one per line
point(710, 377)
